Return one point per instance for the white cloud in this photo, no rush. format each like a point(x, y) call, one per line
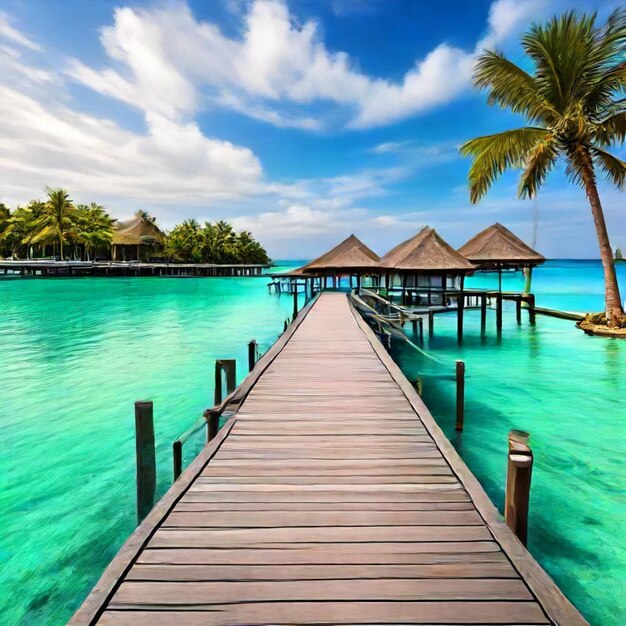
point(506, 17)
point(165, 60)
point(13, 35)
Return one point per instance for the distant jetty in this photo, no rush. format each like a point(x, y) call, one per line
point(52, 268)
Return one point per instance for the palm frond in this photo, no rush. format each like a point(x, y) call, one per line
point(611, 130)
point(510, 86)
point(540, 160)
point(612, 167)
point(493, 154)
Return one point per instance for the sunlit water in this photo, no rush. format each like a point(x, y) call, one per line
point(76, 353)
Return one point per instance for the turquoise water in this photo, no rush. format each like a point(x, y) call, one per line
point(75, 355)
point(569, 391)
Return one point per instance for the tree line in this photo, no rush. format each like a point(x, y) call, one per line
point(59, 228)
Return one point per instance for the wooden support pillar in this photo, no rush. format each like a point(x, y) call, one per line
point(459, 314)
point(422, 329)
point(229, 366)
point(414, 325)
point(295, 301)
point(460, 395)
point(177, 457)
point(285, 326)
point(531, 309)
point(483, 314)
point(252, 347)
point(358, 282)
point(431, 323)
point(519, 473)
point(145, 458)
point(499, 312)
point(518, 309)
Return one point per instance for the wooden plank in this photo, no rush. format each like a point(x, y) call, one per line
point(246, 572)
point(136, 594)
point(284, 519)
point(354, 613)
point(333, 553)
point(179, 538)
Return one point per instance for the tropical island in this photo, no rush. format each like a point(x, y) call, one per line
point(60, 229)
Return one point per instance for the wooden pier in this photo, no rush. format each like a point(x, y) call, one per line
point(330, 496)
point(51, 268)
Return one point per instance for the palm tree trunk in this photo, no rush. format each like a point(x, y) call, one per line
point(612, 300)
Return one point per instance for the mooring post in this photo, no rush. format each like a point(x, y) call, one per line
point(422, 329)
point(177, 457)
point(252, 347)
point(229, 366)
point(295, 301)
point(212, 424)
point(483, 314)
point(518, 309)
point(519, 473)
point(460, 395)
point(145, 457)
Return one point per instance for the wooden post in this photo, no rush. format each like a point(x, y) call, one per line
point(229, 366)
point(145, 457)
point(414, 325)
point(295, 301)
point(431, 323)
point(519, 473)
point(531, 309)
point(483, 314)
point(460, 395)
point(213, 424)
point(459, 316)
point(252, 346)
point(285, 326)
point(177, 456)
point(499, 312)
point(518, 309)
point(422, 329)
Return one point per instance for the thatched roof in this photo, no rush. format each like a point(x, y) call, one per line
point(136, 231)
point(350, 254)
point(426, 251)
point(498, 244)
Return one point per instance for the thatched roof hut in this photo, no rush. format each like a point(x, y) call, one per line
point(351, 255)
point(137, 231)
point(425, 252)
point(497, 246)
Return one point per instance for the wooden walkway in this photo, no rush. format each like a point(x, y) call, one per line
point(331, 497)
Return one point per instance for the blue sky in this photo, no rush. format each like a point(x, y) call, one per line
point(301, 120)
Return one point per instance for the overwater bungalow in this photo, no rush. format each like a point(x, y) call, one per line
point(497, 248)
point(351, 258)
point(136, 238)
point(424, 270)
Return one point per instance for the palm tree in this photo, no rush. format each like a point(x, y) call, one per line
point(56, 219)
point(94, 227)
point(573, 100)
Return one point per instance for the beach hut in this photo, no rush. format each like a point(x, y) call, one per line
point(350, 258)
point(425, 269)
point(135, 237)
point(497, 248)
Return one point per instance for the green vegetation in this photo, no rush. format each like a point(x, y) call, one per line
point(573, 101)
point(57, 226)
point(213, 243)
